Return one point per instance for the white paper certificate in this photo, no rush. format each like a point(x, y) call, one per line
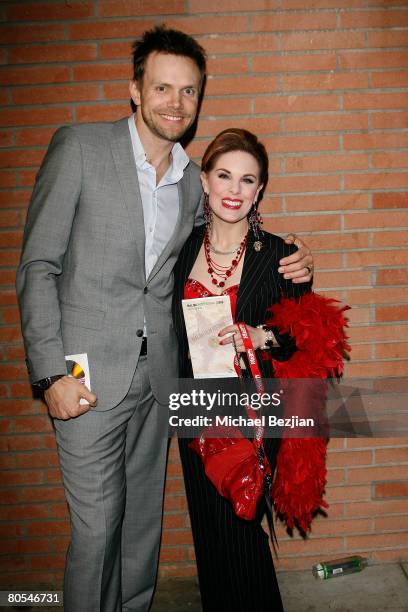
point(204, 318)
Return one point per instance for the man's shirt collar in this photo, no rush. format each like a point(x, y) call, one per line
point(179, 162)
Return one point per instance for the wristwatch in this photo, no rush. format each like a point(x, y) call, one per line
point(45, 383)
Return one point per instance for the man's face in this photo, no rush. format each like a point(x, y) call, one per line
point(167, 98)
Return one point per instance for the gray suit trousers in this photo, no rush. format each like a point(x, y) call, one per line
point(113, 464)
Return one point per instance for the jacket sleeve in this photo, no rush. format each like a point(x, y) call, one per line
point(287, 344)
point(46, 237)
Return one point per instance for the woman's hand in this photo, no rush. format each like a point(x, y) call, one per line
point(258, 337)
point(299, 265)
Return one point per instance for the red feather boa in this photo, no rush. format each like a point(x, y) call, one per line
point(317, 326)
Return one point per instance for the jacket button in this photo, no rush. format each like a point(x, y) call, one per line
point(139, 333)
point(145, 290)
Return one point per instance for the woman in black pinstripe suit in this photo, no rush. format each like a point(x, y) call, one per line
point(234, 562)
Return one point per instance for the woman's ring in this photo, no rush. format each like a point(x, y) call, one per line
point(309, 269)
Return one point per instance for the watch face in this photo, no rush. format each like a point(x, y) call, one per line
point(43, 384)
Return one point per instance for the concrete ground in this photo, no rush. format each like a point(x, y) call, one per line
point(378, 588)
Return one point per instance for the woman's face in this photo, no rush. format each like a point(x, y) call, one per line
point(232, 185)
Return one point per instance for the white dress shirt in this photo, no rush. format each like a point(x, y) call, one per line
point(160, 202)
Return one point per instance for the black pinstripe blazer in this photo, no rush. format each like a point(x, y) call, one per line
point(261, 286)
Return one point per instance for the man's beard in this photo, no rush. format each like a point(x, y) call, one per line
point(161, 132)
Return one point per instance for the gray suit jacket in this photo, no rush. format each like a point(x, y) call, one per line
point(81, 281)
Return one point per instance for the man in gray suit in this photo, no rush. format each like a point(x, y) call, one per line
point(112, 206)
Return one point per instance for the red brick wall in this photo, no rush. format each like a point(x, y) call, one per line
point(323, 82)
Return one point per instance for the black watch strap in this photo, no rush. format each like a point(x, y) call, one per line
point(45, 383)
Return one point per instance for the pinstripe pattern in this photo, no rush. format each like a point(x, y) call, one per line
point(261, 286)
point(234, 562)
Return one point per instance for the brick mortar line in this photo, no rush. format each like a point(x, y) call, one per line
point(288, 93)
point(186, 14)
point(285, 155)
point(336, 451)
point(300, 114)
point(313, 173)
point(368, 213)
point(209, 119)
point(94, 42)
point(118, 61)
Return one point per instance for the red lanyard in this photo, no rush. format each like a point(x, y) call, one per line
point(256, 375)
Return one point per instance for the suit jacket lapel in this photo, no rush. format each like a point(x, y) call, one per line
point(255, 263)
point(124, 160)
point(196, 241)
point(186, 261)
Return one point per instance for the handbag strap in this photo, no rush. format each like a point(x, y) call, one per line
point(256, 375)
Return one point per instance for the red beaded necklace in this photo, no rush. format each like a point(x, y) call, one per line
point(223, 272)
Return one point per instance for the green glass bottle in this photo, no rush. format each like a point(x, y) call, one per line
point(339, 567)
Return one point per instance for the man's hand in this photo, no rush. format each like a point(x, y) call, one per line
point(63, 398)
point(299, 265)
